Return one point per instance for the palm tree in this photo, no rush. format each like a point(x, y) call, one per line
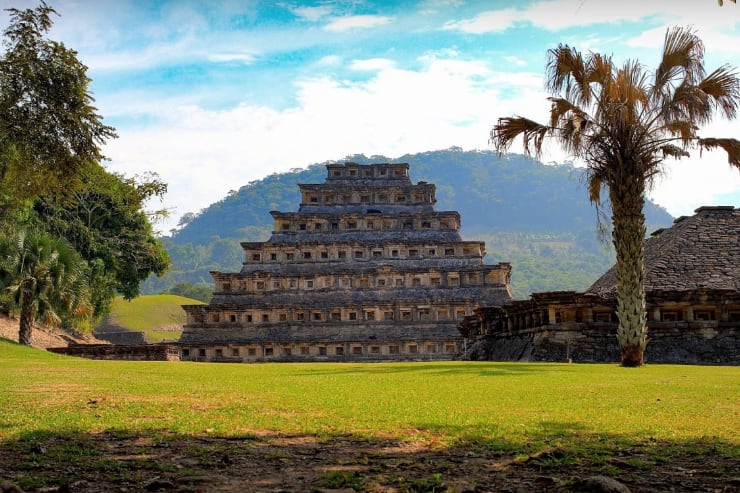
point(45, 278)
point(623, 122)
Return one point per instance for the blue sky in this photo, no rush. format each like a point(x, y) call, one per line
point(214, 94)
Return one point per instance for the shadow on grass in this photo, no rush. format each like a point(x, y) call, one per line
point(484, 369)
point(553, 459)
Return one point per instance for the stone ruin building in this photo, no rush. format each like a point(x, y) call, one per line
point(693, 305)
point(366, 270)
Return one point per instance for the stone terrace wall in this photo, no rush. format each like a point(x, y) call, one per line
point(327, 331)
point(675, 342)
point(151, 352)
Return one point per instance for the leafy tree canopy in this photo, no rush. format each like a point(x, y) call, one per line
point(201, 291)
point(104, 221)
point(49, 129)
point(51, 179)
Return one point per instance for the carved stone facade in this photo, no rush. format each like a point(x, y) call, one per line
point(693, 299)
point(365, 270)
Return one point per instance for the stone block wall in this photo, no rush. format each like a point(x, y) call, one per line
point(151, 352)
point(710, 343)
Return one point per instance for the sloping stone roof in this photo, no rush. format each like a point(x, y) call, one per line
point(699, 251)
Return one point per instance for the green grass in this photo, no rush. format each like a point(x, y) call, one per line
point(513, 406)
point(146, 313)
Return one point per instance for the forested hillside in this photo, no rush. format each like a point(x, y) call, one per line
point(533, 215)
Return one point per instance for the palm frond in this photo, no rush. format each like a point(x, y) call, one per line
point(509, 128)
point(654, 167)
point(629, 91)
point(562, 109)
point(570, 134)
point(687, 102)
point(731, 146)
point(723, 88)
point(83, 311)
point(570, 123)
point(558, 108)
point(683, 129)
point(683, 57)
point(50, 318)
point(595, 184)
point(600, 70)
point(567, 73)
point(674, 151)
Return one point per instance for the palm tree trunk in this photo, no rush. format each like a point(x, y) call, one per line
point(628, 237)
point(26, 322)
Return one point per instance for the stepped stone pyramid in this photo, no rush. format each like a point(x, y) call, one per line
point(365, 270)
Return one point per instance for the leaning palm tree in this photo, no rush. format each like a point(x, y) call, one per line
point(45, 279)
point(623, 122)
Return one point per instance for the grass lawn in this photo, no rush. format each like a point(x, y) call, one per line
point(147, 313)
point(514, 409)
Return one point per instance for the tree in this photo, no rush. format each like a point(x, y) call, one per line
point(201, 291)
point(105, 223)
point(45, 278)
point(624, 122)
point(49, 129)
point(50, 176)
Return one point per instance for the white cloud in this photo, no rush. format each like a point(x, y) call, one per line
point(203, 154)
point(450, 100)
point(486, 22)
point(715, 41)
point(555, 15)
point(128, 35)
point(312, 13)
point(429, 7)
point(330, 61)
point(245, 58)
point(439, 4)
point(691, 183)
point(562, 14)
point(515, 61)
point(347, 23)
point(155, 54)
point(695, 181)
point(372, 64)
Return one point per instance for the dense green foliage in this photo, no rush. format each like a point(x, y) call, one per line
point(549, 261)
point(201, 291)
point(51, 180)
point(104, 221)
point(43, 279)
point(533, 215)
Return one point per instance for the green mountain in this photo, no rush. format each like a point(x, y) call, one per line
point(533, 215)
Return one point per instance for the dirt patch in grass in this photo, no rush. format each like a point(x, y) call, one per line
point(273, 462)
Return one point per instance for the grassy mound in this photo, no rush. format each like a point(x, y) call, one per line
point(159, 316)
